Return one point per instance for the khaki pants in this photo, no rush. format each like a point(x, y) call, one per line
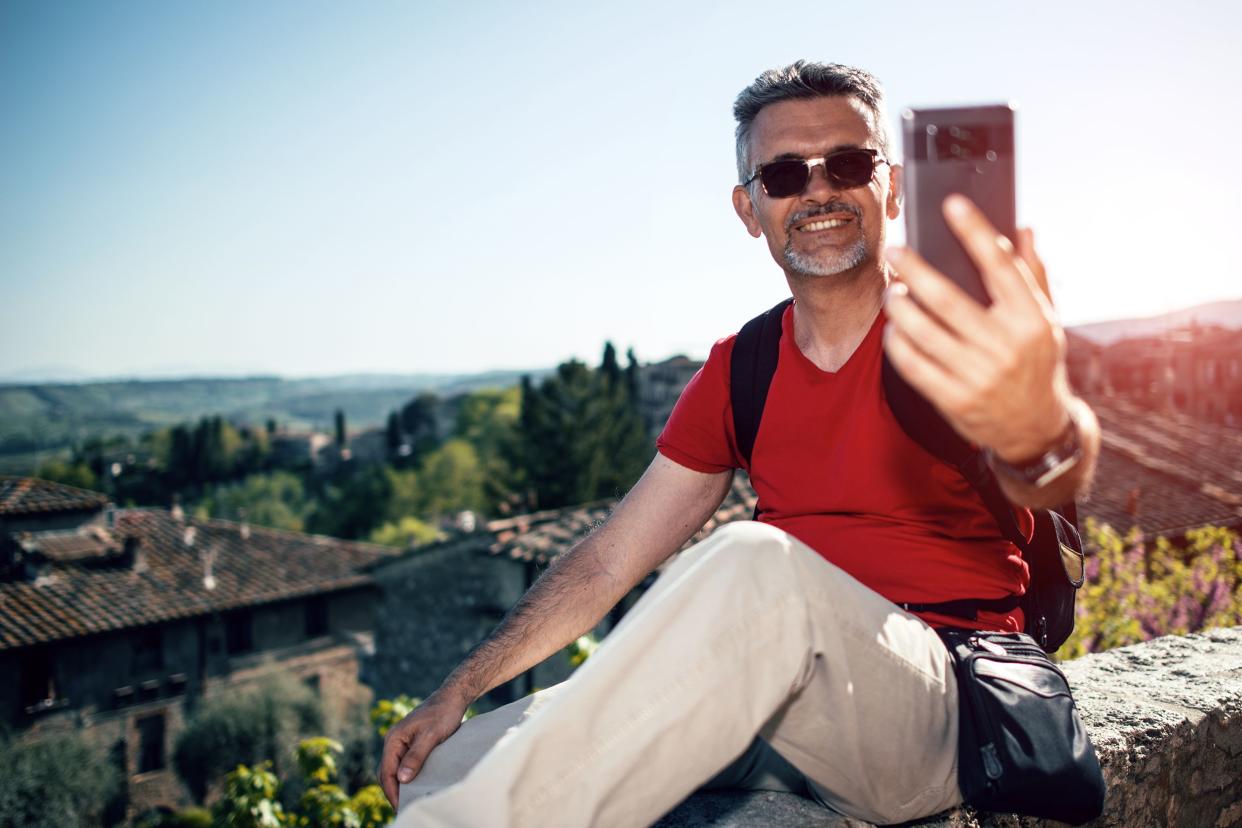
point(749, 633)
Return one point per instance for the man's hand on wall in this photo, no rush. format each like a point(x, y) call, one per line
point(997, 374)
point(410, 741)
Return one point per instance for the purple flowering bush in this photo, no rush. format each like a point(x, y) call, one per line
point(1140, 588)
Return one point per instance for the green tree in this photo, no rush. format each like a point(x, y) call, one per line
point(623, 449)
point(277, 500)
point(560, 419)
point(339, 421)
point(355, 505)
point(452, 479)
point(581, 435)
point(406, 496)
point(55, 782)
point(420, 425)
point(404, 533)
point(76, 473)
point(488, 420)
point(393, 436)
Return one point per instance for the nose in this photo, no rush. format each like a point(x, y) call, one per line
point(819, 188)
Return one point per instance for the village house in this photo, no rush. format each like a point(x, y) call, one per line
point(118, 623)
point(1195, 370)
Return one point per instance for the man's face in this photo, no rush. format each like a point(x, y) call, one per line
point(823, 231)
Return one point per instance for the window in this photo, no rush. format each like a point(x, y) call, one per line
point(148, 654)
point(36, 682)
point(239, 632)
point(317, 616)
point(312, 681)
point(151, 740)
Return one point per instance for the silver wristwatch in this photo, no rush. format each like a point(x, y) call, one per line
point(1047, 467)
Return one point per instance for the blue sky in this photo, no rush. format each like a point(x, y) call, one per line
point(316, 188)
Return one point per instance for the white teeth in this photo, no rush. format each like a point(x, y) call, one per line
point(823, 225)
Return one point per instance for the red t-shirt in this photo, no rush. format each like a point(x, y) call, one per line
point(833, 468)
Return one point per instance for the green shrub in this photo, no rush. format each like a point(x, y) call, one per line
point(58, 782)
point(249, 799)
point(1139, 589)
point(264, 722)
point(189, 818)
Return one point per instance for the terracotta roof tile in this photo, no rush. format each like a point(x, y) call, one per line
point(80, 594)
point(1165, 472)
point(543, 535)
point(32, 496)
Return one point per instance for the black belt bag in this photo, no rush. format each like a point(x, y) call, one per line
point(1021, 745)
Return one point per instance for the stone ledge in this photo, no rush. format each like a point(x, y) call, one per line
point(1166, 720)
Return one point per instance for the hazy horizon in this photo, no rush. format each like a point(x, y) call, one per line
point(69, 375)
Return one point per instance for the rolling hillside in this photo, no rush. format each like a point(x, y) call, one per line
point(42, 421)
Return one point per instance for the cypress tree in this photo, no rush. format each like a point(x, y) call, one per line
point(392, 434)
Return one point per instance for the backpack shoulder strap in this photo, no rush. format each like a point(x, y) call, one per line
point(924, 424)
point(751, 368)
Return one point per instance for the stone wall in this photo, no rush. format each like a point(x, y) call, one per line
point(1166, 720)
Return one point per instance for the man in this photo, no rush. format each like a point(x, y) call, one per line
point(773, 654)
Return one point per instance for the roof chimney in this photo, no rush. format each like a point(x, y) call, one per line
point(133, 554)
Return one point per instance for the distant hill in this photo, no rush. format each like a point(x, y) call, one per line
point(38, 421)
point(1225, 314)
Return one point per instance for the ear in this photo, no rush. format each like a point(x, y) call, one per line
point(895, 192)
point(746, 210)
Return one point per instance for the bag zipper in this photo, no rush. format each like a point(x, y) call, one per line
point(1013, 652)
point(988, 753)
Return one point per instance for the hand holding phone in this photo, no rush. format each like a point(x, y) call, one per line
point(966, 150)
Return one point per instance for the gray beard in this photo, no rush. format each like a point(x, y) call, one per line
point(827, 263)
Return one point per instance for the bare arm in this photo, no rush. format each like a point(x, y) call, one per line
point(663, 510)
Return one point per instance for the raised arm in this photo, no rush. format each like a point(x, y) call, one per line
point(663, 510)
point(997, 374)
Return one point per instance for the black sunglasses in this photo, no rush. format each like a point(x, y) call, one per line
point(846, 169)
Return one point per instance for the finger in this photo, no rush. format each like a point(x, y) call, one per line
point(1026, 249)
point(395, 747)
point(388, 777)
point(1006, 277)
point(923, 374)
point(414, 758)
point(960, 314)
point(929, 335)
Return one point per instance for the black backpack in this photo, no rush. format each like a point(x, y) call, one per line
point(1054, 554)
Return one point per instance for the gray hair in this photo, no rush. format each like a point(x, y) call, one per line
point(803, 80)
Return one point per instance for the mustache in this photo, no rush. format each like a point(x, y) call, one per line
point(822, 210)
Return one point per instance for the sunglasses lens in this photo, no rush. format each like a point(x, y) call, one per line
point(851, 168)
point(782, 179)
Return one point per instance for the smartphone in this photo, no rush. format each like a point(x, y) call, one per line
point(967, 150)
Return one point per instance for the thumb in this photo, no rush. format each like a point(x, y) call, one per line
point(412, 762)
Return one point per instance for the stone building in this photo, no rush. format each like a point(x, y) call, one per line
point(441, 600)
point(659, 386)
point(118, 622)
point(298, 448)
point(1196, 370)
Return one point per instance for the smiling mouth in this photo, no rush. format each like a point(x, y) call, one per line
point(824, 224)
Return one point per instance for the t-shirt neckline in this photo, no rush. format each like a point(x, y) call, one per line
point(787, 335)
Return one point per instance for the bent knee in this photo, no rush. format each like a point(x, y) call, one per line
point(753, 531)
point(751, 540)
